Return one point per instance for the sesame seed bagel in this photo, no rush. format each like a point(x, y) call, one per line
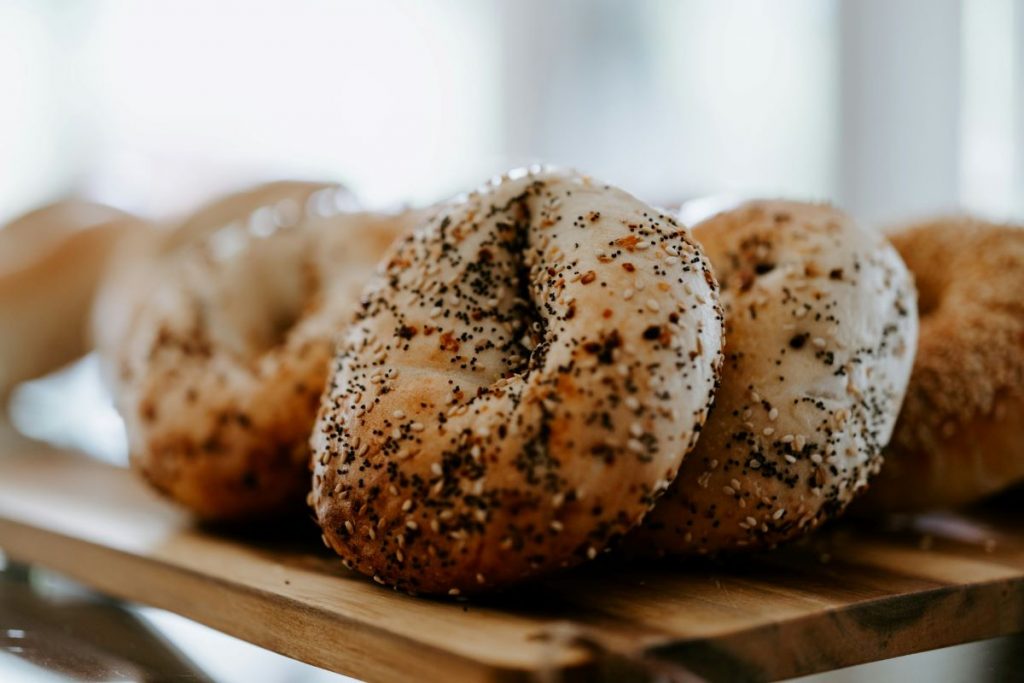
point(521, 385)
point(960, 436)
point(221, 370)
point(821, 328)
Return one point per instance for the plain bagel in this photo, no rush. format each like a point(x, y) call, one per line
point(224, 360)
point(960, 436)
point(821, 328)
point(521, 385)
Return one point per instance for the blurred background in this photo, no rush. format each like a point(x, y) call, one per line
point(893, 109)
point(890, 108)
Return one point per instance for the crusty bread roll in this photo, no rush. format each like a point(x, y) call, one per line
point(522, 384)
point(821, 328)
point(960, 436)
point(50, 263)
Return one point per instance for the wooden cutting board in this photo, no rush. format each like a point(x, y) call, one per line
point(850, 595)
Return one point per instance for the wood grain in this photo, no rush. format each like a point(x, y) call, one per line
point(851, 595)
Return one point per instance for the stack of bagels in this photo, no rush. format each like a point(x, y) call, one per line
point(548, 368)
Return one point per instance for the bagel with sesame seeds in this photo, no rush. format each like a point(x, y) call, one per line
point(522, 383)
point(821, 327)
point(220, 372)
point(960, 435)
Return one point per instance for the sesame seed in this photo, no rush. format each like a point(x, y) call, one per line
point(653, 305)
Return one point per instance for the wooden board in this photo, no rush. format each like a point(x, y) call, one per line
point(850, 595)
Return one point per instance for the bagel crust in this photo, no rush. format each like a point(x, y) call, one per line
point(821, 328)
point(220, 374)
point(960, 436)
point(522, 384)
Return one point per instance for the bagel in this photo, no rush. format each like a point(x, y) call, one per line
point(821, 329)
point(521, 385)
point(960, 435)
point(51, 262)
point(136, 261)
point(221, 369)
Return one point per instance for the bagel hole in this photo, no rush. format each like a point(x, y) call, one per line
point(533, 333)
point(927, 301)
point(269, 296)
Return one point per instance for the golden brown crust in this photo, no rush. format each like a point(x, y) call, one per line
point(820, 329)
point(220, 373)
point(960, 436)
point(521, 386)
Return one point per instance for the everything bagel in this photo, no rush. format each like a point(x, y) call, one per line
point(521, 385)
point(220, 372)
point(821, 330)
